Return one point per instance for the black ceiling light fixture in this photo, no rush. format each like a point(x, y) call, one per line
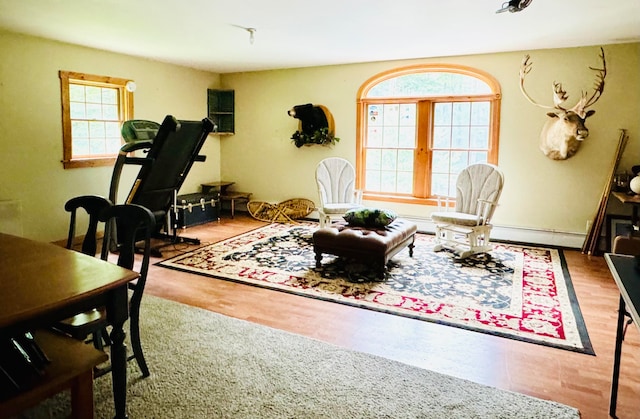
point(514, 6)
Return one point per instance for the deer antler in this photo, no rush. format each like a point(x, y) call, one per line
point(559, 95)
point(601, 73)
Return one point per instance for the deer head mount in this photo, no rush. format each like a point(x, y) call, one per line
point(563, 133)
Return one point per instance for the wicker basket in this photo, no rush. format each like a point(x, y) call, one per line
point(284, 212)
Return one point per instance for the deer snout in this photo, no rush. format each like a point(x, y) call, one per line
point(582, 134)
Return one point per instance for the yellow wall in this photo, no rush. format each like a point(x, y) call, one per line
point(31, 127)
point(539, 193)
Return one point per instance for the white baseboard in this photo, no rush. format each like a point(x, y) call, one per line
point(519, 234)
point(514, 234)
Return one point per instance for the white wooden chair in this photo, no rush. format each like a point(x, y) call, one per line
point(466, 230)
point(335, 178)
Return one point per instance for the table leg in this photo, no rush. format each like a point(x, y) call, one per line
point(117, 314)
point(613, 400)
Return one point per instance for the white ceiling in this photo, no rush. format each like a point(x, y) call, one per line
point(208, 34)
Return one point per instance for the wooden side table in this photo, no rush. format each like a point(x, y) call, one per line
point(633, 200)
point(226, 195)
point(233, 196)
point(221, 186)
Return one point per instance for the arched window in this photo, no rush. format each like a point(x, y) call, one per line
point(419, 126)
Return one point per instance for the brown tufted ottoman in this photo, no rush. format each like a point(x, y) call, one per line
point(368, 244)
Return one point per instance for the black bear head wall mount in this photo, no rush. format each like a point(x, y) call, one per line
point(311, 117)
point(315, 126)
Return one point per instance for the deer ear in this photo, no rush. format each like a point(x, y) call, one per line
point(552, 114)
point(589, 113)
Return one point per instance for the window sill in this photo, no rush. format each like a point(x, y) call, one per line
point(74, 164)
point(432, 201)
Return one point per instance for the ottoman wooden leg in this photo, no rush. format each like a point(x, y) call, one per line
point(318, 260)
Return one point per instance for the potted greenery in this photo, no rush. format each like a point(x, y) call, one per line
point(322, 136)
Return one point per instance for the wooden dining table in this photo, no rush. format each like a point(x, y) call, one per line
point(41, 283)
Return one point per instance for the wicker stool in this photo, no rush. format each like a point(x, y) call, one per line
point(284, 212)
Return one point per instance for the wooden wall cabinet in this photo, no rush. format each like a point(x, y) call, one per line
point(221, 110)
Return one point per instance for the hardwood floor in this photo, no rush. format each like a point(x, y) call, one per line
point(579, 380)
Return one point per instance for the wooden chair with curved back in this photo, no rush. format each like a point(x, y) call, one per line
point(92, 322)
point(93, 205)
point(135, 224)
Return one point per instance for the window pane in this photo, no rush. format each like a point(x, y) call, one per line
point(80, 147)
point(97, 146)
point(96, 129)
point(479, 138)
point(113, 145)
point(374, 137)
point(408, 114)
point(110, 96)
point(373, 180)
point(94, 111)
point(374, 159)
point(374, 115)
point(76, 93)
point(80, 129)
point(110, 112)
point(391, 115)
point(480, 112)
point(405, 182)
point(460, 137)
point(388, 181)
point(442, 137)
point(442, 112)
point(77, 110)
point(440, 184)
point(407, 137)
point(440, 162)
point(435, 83)
point(459, 160)
point(405, 160)
point(461, 113)
point(390, 137)
point(390, 160)
point(374, 165)
point(477, 157)
point(93, 94)
point(112, 129)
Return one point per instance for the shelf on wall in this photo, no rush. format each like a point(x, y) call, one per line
point(221, 110)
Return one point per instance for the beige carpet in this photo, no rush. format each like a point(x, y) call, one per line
point(205, 365)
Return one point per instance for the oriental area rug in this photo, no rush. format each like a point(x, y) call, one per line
point(519, 292)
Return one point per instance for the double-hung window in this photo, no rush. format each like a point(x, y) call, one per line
point(93, 110)
point(418, 127)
